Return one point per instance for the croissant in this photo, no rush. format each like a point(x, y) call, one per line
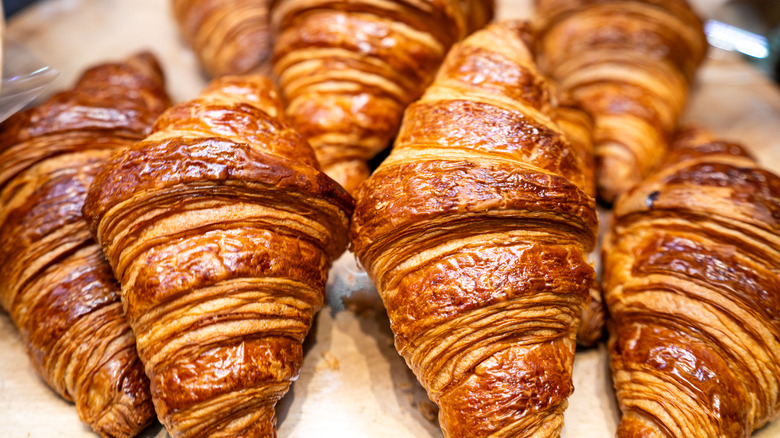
point(54, 281)
point(475, 231)
point(577, 126)
point(221, 231)
point(229, 37)
point(348, 69)
point(628, 64)
point(692, 270)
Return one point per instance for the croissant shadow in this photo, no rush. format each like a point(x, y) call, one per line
point(354, 302)
point(284, 405)
point(154, 430)
point(409, 394)
point(612, 403)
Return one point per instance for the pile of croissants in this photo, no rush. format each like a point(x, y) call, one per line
point(169, 261)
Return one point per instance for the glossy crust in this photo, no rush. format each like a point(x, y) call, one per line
point(230, 37)
point(348, 69)
point(628, 64)
point(692, 273)
point(221, 231)
point(54, 280)
point(475, 231)
point(577, 125)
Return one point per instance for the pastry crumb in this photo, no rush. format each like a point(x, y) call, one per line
point(428, 409)
point(330, 360)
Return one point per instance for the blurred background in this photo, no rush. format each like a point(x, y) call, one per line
point(12, 6)
point(748, 27)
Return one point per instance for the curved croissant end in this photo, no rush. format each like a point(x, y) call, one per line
point(230, 37)
point(348, 70)
point(475, 231)
point(221, 231)
point(628, 64)
point(691, 271)
point(54, 281)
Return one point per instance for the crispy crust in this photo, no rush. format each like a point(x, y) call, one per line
point(56, 284)
point(629, 65)
point(348, 69)
point(691, 266)
point(475, 230)
point(221, 231)
point(229, 37)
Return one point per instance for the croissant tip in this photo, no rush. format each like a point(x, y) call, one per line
point(636, 425)
point(147, 63)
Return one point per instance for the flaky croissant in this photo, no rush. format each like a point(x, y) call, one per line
point(577, 126)
point(692, 274)
point(229, 37)
point(629, 64)
point(475, 231)
point(54, 281)
point(348, 69)
point(221, 231)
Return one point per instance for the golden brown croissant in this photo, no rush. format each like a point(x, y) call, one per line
point(229, 37)
point(54, 281)
point(692, 271)
point(221, 231)
point(629, 64)
point(577, 126)
point(348, 69)
point(475, 231)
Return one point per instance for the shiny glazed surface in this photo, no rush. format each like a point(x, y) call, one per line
point(577, 125)
point(475, 231)
point(629, 65)
point(349, 69)
point(221, 231)
point(692, 273)
point(229, 37)
point(54, 280)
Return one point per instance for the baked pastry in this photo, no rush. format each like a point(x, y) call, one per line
point(476, 231)
point(221, 231)
point(593, 318)
point(629, 64)
point(692, 266)
point(54, 281)
point(229, 37)
point(348, 69)
point(577, 126)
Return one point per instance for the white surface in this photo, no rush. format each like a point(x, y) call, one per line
point(353, 383)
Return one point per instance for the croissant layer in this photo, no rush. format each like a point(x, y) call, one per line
point(229, 37)
point(221, 231)
point(475, 231)
point(56, 284)
point(348, 69)
point(629, 65)
point(690, 264)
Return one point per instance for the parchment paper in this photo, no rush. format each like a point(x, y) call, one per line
point(353, 383)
